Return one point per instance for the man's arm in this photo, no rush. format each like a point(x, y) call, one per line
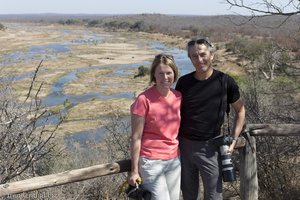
point(239, 109)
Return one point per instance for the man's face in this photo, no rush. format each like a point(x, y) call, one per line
point(201, 57)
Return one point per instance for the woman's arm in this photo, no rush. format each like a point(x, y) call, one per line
point(137, 127)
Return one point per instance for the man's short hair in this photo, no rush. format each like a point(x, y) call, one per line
point(200, 40)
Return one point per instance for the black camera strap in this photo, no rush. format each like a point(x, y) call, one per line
point(224, 106)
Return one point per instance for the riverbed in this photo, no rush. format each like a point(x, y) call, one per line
point(91, 69)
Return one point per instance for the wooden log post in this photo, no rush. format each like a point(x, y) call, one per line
point(248, 171)
point(273, 129)
point(64, 177)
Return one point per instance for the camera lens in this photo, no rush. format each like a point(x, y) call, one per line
point(228, 172)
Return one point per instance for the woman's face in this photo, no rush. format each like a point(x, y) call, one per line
point(164, 76)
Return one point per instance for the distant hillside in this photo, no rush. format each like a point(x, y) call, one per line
point(175, 21)
point(49, 17)
point(221, 28)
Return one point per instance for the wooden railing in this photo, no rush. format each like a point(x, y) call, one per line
point(247, 152)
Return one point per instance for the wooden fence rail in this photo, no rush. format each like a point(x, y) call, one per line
point(248, 170)
point(64, 177)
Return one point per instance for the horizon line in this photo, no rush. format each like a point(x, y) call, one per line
point(53, 13)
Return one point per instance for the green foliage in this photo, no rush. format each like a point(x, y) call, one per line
point(282, 81)
point(241, 80)
point(284, 61)
point(68, 22)
point(2, 27)
point(59, 108)
point(124, 25)
point(138, 26)
point(142, 71)
point(94, 23)
point(67, 103)
point(246, 48)
point(117, 25)
point(56, 109)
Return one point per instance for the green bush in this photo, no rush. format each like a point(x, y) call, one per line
point(2, 27)
point(94, 23)
point(138, 26)
point(142, 71)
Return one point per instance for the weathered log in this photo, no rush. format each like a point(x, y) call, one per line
point(273, 129)
point(64, 177)
point(248, 171)
point(241, 142)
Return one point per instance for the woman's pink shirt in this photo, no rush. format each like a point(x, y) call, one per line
point(162, 121)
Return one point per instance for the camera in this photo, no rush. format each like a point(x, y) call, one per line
point(137, 193)
point(228, 172)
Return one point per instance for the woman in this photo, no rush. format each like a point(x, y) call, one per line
point(155, 120)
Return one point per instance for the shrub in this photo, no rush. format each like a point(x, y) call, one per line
point(2, 27)
point(277, 157)
point(142, 71)
point(138, 26)
point(94, 23)
point(26, 143)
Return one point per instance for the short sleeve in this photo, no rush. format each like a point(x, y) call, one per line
point(233, 91)
point(140, 106)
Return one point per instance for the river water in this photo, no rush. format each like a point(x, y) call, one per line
point(57, 95)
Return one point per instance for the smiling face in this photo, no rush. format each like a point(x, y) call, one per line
point(201, 57)
point(164, 76)
point(162, 69)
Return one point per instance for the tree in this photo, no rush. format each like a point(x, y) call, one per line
point(273, 57)
point(94, 23)
point(2, 27)
point(138, 26)
point(265, 56)
point(142, 71)
point(25, 140)
point(262, 8)
point(278, 170)
point(268, 7)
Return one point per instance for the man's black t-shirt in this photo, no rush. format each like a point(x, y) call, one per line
point(201, 101)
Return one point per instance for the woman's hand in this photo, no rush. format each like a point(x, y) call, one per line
point(133, 177)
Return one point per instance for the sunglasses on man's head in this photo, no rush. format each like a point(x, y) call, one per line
point(199, 41)
point(159, 56)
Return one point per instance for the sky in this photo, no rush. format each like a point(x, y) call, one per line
point(180, 7)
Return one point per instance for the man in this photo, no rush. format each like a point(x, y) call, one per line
point(202, 96)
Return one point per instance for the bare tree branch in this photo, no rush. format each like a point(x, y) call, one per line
point(266, 7)
point(24, 143)
point(33, 80)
